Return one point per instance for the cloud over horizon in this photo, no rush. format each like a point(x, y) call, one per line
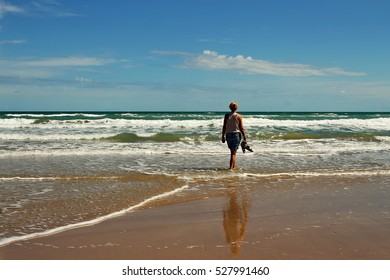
point(48, 67)
point(211, 60)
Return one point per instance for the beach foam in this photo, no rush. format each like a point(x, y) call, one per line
point(9, 240)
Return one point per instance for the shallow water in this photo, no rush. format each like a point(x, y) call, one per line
point(59, 169)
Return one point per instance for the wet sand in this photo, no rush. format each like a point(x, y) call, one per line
point(302, 218)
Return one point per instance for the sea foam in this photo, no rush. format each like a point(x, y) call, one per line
point(9, 240)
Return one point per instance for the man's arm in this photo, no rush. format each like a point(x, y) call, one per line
point(224, 128)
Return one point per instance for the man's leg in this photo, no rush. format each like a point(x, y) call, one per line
point(233, 159)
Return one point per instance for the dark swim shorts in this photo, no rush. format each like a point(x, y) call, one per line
point(233, 140)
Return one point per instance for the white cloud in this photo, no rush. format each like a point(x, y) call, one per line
point(51, 8)
point(248, 65)
point(175, 53)
point(83, 80)
point(72, 61)
point(12, 42)
point(48, 67)
point(6, 8)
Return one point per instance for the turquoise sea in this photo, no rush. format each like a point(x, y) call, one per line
point(62, 169)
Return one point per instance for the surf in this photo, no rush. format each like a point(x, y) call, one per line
point(8, 240)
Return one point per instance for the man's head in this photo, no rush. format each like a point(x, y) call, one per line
point(233, 106)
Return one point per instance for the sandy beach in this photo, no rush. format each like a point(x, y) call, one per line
point(301, 218)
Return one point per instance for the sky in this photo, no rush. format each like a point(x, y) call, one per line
point(194, 55)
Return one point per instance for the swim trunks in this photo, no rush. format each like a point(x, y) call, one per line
point(233, 140)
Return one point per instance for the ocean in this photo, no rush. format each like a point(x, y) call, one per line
point(63, 170)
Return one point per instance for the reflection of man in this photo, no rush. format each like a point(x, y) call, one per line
point(235, 218)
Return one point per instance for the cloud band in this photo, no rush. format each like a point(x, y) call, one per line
point(247, 65)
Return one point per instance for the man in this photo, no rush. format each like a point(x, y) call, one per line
point(232, 132)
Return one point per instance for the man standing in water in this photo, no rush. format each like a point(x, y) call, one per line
point(232, 131)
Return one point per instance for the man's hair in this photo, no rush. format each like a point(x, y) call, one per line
point(233, 106)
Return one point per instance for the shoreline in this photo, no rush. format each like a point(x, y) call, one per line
point(10, 240)
point(307, 218)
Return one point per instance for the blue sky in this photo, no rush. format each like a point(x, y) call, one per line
point(198, 55)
